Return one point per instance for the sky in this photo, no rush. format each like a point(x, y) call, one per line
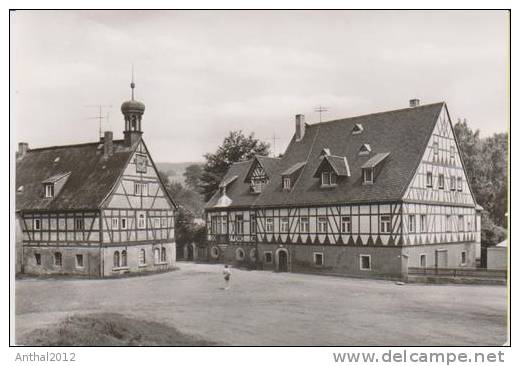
point(202, 74)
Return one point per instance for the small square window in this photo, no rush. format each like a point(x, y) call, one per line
point(364, 262)
point(368, 175)
point(318, 259)
point(37, 224)
point(79, 260)
point(49, 190)
point(38, 259)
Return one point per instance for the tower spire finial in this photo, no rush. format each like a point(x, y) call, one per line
point(132, 84)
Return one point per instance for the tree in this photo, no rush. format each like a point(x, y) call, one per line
point(192, 176)
point(485, 160)
point(236, 147)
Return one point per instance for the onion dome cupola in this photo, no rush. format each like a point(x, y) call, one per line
point(133, 111)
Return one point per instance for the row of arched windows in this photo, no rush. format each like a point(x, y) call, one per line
point(120, 258)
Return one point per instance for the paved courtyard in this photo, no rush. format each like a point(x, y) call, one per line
point(270, 309)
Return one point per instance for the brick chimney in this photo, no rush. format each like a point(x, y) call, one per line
point(108, 144)
point(23, 147)
point(414, 103)
point(300, 126)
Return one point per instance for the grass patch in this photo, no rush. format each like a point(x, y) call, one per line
point(110, 329)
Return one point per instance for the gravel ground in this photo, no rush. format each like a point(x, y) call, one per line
point(272, 309)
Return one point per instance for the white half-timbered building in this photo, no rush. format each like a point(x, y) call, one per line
point(371, 195)
point(97, 209)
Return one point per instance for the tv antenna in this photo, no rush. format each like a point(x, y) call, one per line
point(320, 109)
point(100, 116)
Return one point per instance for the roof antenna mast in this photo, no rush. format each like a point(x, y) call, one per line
point(320, 109)
point(100, 116)
point(132, 84)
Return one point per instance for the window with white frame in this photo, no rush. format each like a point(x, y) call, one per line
point(268, 257)
point(365, 262)
point(346, 225)
point(252, 224)
point(164, 222)
point(453, 185)
point(49, 190)
point(115, 223)
point(163, 254)
point(117, 260)
point(368, 175)
point(463, 257)
point(423, 223)
point(436, 148)
point(142, 257)
point(448, 223)
point(411, 223)
point(423, 260)
point(459, 184)
point(322, 224)
point(385, 224)
point(304, 224)
point(124, 261)
point(441, 181)
point(140, 189)
point(141, 221)
point(79, 260)
point(269, 226)
point(124, 223)
point(58, 259)
point(461, 223)
point(429, 179)
point(328, 178)
point(284, 225)
point(318, 259)
point(286, 183)
point(157, 222)
point(239, 224)
point(37, 224)
point(79, 223)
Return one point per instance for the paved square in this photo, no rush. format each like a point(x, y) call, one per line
point(272, 309)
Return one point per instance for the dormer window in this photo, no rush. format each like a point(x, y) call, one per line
point(328, 178)
point(357, 129)
point(49, 190)
point(368, 176)
point(286, 183)
point(365, 149)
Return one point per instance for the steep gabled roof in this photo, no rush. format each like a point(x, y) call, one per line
point(91, 176)
point(338, 163)
point(402, 133)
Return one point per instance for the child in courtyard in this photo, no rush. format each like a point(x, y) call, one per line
point(227, 276)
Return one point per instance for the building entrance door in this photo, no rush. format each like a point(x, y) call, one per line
point(282, 261)
point(441, 258)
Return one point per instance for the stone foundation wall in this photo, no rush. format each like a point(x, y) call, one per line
point(133, 259)
point(69, 262)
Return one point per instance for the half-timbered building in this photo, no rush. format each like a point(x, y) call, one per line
point(371, 196)
point(98, 209)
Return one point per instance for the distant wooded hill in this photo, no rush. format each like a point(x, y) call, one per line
point(175, 171)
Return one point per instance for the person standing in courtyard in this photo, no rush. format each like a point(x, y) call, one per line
point(227, 276)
